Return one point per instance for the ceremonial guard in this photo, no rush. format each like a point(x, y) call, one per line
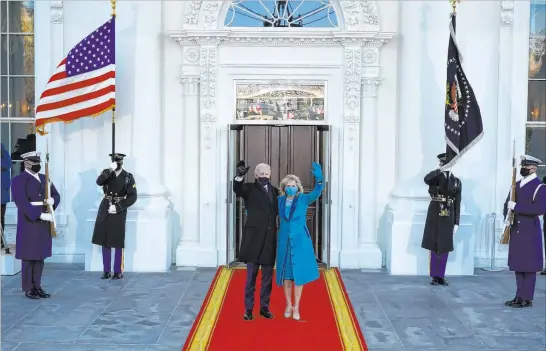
point(442, 219)
point(259, 241)
point(120, 193)
point(525, 245)
point(33, 242)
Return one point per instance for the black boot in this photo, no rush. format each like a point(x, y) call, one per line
point(523, 304)
point(248, 315)
point(510, 303)
point(443, 281)
point(117, 276)
point(434, 281)
point(105, 275)
point(264, 312)
point(42, 294)
point(31, 294)
point(543, 272)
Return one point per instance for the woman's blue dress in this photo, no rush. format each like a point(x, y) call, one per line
point(288, 271)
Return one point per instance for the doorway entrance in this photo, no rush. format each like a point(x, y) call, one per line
point(288, 149)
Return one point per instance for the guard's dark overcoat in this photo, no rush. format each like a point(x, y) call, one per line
point(110, 228)
point(33, 242)
point(438, 234)
point(259, 242)
point(525, 245)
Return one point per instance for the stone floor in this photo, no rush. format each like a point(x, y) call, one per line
point(155, 312)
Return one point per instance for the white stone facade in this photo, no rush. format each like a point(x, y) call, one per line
point(385, 71)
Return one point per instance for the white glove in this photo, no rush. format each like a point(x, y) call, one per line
point(506, 223)
point(113, 166)
point(50, 201)
point(112, 209)
point(46, 217)
point(455, 228)
point(511, 205)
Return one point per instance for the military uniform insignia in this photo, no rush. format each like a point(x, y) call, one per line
point(134, 185)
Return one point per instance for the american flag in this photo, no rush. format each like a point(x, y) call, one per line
point(463, 119)
point(84, 83)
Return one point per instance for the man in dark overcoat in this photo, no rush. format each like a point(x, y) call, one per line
point(442, 220)
point(525, 245)
point(259, 241)
point(33, 240)
point(544, 233)
point(120, 193)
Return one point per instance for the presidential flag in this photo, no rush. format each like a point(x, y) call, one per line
point(84, 83)
point(463, 119)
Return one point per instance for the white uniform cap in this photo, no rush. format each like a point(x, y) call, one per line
point(32, 154)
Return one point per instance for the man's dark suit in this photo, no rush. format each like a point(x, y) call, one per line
point(259, 241)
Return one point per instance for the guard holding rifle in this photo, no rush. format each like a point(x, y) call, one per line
point(33, 242)
point(525, 243)
point(120, 193)
point(442, 219)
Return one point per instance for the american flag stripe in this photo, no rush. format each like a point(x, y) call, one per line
point(83, 84)
point(58, 88)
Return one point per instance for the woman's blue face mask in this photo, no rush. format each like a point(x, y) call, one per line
point(291, 190)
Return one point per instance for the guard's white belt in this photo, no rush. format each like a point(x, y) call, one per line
point(37, 203)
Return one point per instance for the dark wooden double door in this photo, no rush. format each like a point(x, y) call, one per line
point(288, 150)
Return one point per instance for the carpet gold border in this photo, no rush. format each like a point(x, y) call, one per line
point(344, 320)
point(202, 335)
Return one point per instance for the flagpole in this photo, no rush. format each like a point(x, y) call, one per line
point(113, 3)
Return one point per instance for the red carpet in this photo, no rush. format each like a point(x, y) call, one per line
point(327, 318)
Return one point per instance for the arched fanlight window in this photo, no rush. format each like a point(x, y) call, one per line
point(281, 13)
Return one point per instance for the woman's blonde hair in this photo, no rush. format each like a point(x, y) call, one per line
point(289, 178)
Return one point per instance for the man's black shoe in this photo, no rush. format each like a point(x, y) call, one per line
point(266, 313)
point(31, 294)
point(42, 294)
point(248, 315)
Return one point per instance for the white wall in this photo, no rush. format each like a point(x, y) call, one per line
point(80, 150)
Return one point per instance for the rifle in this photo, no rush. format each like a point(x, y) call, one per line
point(52, 224)
point(510, 214)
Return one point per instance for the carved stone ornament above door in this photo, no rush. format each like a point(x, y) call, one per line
point(359, 15)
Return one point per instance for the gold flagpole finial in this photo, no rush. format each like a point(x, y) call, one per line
point(454, 5)
point(113, 2)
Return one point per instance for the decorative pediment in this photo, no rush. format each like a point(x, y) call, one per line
point(280, 38)
point(358, 15)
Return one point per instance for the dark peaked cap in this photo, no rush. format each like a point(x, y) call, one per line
point(118, 156)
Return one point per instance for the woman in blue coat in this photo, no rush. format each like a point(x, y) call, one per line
point(296, 262)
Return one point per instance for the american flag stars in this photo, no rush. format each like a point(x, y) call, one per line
point(93, 52)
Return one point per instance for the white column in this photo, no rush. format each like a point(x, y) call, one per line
point(187, 252)
point(368, 220)
point(351, 252)
point(148, 237)
point(422, 55)
point(208, 150)
point(57, 130)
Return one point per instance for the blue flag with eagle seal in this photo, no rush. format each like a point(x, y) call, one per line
point(463, 119)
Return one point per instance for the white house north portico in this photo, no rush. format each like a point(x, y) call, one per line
point(216, 58)
point(202, 84)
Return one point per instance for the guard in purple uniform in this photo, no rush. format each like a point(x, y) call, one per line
point(442, 219)
point(33, 242)
point(120, 193)
point(525, 245)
